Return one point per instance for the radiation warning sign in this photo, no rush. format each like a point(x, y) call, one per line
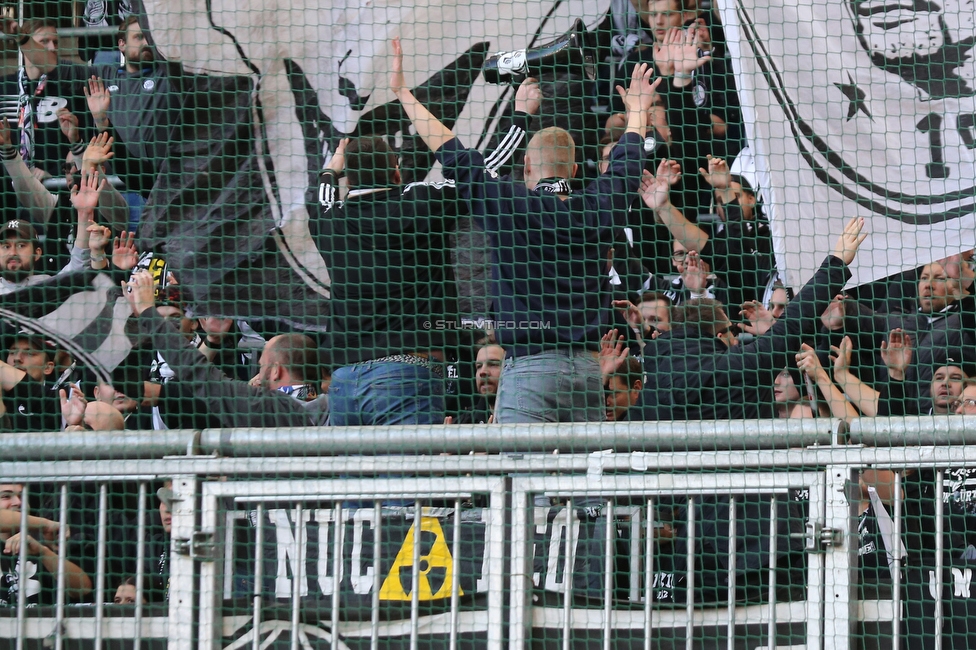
point(436, 566)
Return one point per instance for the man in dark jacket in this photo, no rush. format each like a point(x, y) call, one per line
point(699, 372)
point(394, 299)
point(282, 394)
point(549, 255)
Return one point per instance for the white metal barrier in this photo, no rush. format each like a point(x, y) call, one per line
point(510, 549)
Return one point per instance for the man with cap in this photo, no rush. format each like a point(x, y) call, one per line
point(31, 404)
point(20, 250)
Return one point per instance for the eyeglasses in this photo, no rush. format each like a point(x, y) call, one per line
point(679, 256)
point(969, 401)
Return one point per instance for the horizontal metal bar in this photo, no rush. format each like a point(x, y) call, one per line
point(147, 469)
point(98, 445)
point(372, 495)
point(72, 32)
point(914, 431)
point(577, 437)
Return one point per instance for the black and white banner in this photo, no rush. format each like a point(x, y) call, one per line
point(861, 108)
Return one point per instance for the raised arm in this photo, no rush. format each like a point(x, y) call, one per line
point(865, 398)
point(31, 193)
point(808, 362)
point(638, 98)
point(38, 56)
point(429, 128)
point(656, 193)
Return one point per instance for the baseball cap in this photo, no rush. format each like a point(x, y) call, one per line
point(21, 228)
point(38, 341)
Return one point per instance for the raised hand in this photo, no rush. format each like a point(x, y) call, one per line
point(98, 238)
point(694, 277)
point(896, 353)
point(528, 98)
point(850, 240)
point(5, 139)
point(678, 53)
point(73, 406)
point(338, 161)
point(842, 357)
point(140, 291)
point(833, 316)
point(98, 152)
point(9, 24)
point(631, 313)
point(641, 92)
point(68, 122)
point(124, 253)
point(760, 319)
point(397, 81)
point(612, 352)
point(717, 175)
point(86, 197)
point(807, 361)
point(99, 99)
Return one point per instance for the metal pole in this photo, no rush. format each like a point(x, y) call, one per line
point(733, 556)
point(455, 575)
point(568, 576)
point(771, 596)
point(608, 557)
point(340, 531)
point(62, 576)
point(649, 576)
point(296, 586)
point(374, 617)
point(258, 593)
point(22, 562)
point(690, 579)
point(418, 516)
point(100, 564)
point(140, 564)
point(896, 577)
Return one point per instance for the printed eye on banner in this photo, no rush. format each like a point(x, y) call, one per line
point(894, 128)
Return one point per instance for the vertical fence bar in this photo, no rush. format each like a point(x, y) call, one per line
point(337, 573)
point(22, 563)
point(896, 575)
point(608, 577)
point(939, 550)
point(649, 577)
point(455, 574)
point(732, 569)
point(100, 564)
point(568, 576)
point(418, 516)
point(690, 579)
point(296, 585)
point(62, 576)
point(374, 617)
point(257, 597)
point(771, 595)
point(140, 564)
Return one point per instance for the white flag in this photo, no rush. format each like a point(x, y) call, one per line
point(860, 108)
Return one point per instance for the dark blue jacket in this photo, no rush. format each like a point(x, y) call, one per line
point(549, 257)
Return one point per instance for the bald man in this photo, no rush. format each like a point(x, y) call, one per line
point(549, 248)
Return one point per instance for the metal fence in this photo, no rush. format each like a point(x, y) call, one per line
point(746, 536)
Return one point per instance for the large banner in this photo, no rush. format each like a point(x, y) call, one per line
point(861, 108)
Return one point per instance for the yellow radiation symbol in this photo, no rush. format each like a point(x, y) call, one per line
point(436, 566)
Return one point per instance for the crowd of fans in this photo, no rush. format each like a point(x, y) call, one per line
point(631, 279)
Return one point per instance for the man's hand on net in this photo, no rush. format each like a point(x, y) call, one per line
point(528, 98)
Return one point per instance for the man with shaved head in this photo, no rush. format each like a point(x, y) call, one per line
point(549, 251)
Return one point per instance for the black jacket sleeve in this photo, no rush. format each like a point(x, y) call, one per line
point(234, 403)
point(767, 355)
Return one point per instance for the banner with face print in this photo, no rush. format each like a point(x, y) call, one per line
point(861, 108)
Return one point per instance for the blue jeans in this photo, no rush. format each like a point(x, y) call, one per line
point(555, 386)
point(383, 392)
